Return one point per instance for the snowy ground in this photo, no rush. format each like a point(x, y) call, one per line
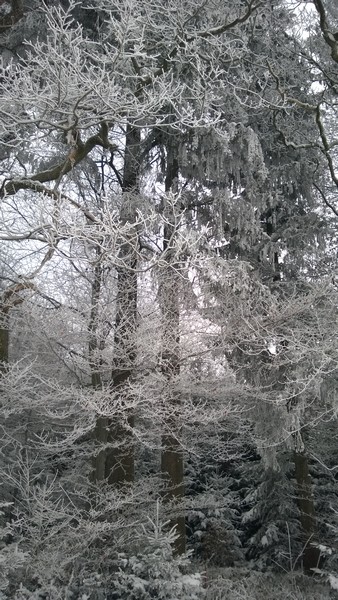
point(245, 584)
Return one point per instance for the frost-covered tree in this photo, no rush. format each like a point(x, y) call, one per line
point(170, 230)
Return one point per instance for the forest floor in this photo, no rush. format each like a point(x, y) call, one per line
point(246, 584)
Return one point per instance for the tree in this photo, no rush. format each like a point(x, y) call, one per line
point(62, 99)
point(148, 166)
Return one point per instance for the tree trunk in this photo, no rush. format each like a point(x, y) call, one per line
point(310, 555)
point(4, 339)
point(100, 432)
point(10, 299)
point(171, 458)
point(119, 466)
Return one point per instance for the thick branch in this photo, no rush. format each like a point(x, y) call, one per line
point(325, 200)
point(329, 37)
point(75, 156)
point(326, 147)
point(252, 7)
point(322, 16)
point(11, 298)
point(15, 185)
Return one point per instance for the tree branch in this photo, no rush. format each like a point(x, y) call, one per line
point(15, 185)
point(226, 26)
point(11, 296)
point(77, 153)
point(326, 147)
point(328, 36)
point(325, 200)
point(213, 32)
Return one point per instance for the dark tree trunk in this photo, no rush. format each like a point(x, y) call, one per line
point(100, 432)
point(171, 457)
point(119, 466)
point(310, 555)
point(10, 298)
point(4, 339)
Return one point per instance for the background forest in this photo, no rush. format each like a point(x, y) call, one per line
point(168, 299)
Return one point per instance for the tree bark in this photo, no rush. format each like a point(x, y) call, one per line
point(4, 339)
point(10, 299)
point(172, 467)
point(100, 431)
point(119, 466)
point(310, 555)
